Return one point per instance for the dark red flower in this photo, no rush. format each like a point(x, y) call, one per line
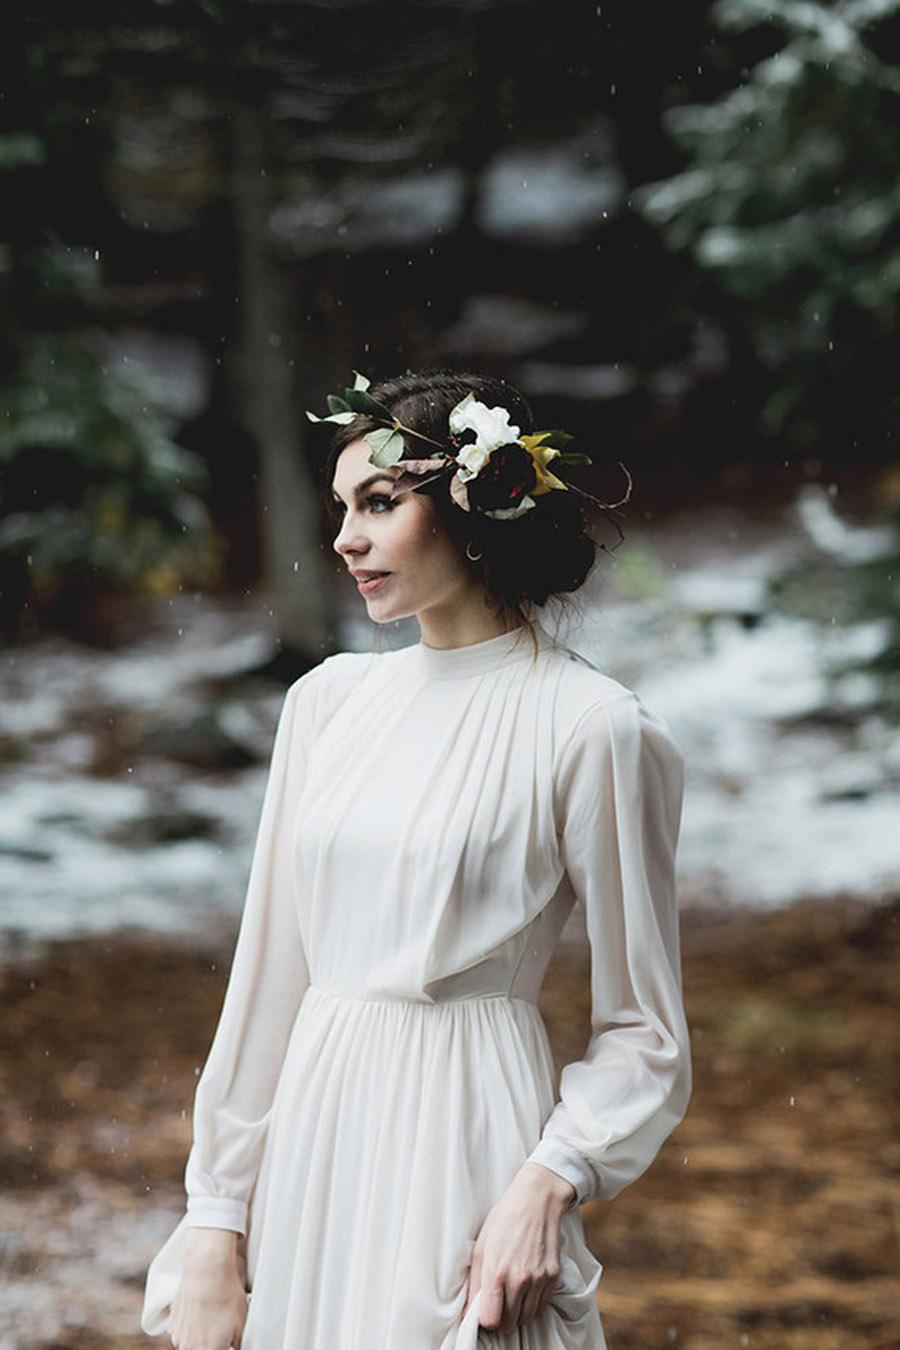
point(505, 479)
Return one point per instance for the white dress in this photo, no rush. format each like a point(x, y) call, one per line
point(380, 1069)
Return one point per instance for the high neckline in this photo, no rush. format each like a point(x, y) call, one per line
point(475, 658)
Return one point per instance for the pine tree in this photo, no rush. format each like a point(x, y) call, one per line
point(790, 201)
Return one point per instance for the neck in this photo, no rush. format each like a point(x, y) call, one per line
point(510, 649)
point(462, 629)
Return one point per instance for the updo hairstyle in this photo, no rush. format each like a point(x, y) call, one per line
point(546, 552)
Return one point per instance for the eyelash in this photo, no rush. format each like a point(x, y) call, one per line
point(372, 497)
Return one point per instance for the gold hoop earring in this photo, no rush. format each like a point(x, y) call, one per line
point(470, 556)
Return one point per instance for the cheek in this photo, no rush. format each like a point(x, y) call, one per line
point(419, 544)
point(415, 535)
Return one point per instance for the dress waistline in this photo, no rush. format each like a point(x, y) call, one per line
point(404, 1000)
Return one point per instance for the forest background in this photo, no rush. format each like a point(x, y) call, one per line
point(677, 229)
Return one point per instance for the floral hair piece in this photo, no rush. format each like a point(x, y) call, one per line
point(498, 470)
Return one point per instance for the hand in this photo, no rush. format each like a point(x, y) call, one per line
point(515, 1260)
point(210, 1307)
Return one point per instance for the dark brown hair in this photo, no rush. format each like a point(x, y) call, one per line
point(549, 551)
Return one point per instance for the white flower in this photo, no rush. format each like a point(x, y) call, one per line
point(471, 460)
point(492, 426)
point(510, 513)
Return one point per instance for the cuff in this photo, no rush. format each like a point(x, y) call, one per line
point(566, 1163)
point(207, 1211)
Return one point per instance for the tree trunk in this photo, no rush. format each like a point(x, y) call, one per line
point(296, 575)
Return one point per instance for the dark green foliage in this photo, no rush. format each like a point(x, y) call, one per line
point(91, 481)
point(790, 201)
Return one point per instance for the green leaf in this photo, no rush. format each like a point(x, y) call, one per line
point(336, 403)
point(361, 402)
point(380, 437)
point(388, 452)
point(341, 417)
point(553, 439)
point(572, 457)
point(463, 403)
point(360, 381)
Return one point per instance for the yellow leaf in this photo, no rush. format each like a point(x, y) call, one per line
point(541, 456)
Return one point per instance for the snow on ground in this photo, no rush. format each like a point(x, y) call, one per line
point(780, 803)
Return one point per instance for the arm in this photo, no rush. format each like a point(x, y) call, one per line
point(620, 783)
point(268, 978)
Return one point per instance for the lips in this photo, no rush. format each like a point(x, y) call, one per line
point(371, 582)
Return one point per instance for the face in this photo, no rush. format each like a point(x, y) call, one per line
point(403, 538)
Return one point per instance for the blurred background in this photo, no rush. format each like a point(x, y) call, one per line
point(676, 228)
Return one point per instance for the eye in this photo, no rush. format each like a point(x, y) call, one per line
point(379, 498)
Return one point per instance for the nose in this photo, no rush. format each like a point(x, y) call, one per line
point(347, 541)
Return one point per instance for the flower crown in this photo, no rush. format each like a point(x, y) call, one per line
point(498, 471)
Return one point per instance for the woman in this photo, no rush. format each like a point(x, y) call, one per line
point(379, 1152)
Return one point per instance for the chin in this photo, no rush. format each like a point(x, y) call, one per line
point(387, 613)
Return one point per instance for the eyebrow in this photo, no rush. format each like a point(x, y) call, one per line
point(366, 482)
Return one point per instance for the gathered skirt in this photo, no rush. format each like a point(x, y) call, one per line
point(395, 1127)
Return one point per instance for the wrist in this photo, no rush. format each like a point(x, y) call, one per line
point(211, 1248)
point(557, 1189)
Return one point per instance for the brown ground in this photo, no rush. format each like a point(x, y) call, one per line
point(768, 1220)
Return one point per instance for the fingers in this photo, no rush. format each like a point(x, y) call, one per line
point(513, 1313)
point(491, 1311)
point(499, 1311)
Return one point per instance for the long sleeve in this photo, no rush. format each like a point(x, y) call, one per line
point(268, 978)
point(620, 786)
